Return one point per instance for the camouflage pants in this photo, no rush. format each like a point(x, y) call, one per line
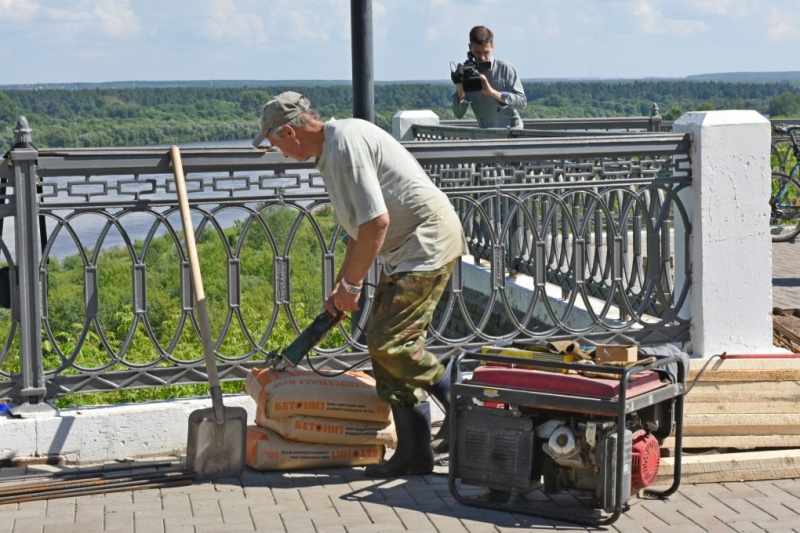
point(403, 308)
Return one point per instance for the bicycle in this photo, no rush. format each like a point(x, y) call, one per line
point(784, 202)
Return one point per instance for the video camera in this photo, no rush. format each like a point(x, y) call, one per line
point(467, 73)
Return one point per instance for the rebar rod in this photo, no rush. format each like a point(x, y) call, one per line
point(70, 487)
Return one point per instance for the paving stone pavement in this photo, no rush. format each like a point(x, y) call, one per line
point(343, 500)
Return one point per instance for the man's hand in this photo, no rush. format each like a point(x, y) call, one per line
point(341, 300)
point(487, 89)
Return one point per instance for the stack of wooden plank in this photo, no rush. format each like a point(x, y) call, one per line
point(741, 422)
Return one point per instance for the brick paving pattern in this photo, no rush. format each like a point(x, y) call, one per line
point(344, 500)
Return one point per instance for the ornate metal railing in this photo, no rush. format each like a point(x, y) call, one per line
point(781, 149)
point(467, 129)
point(602, 217)
point(566, 126)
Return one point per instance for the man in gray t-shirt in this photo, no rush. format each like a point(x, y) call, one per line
point(390, 209)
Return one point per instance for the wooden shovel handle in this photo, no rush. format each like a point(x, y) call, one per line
point(197, 280)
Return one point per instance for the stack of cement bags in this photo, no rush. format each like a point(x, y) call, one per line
point(305, 420)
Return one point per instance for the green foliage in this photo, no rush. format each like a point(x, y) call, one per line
point(673, 114)
point(785, 105)
point(161, 115)
point(130, 336)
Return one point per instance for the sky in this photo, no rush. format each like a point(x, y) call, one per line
point(71, 41)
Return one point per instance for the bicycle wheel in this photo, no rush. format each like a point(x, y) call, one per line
point(784, 217)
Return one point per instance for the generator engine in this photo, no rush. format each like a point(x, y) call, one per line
point(581, 457)
point(513, 450)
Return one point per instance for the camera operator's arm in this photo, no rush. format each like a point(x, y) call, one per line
point(460, 102)
point(512, 94)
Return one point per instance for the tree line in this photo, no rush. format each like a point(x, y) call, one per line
point(63, 118)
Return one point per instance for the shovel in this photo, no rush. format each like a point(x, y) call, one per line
point(217, 434)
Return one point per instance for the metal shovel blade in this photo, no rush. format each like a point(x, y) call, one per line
point(216, 449)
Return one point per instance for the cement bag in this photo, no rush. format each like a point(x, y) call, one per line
point(266, 450)
point(295, 391)
point(330, 430)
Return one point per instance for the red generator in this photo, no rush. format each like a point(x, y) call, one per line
point(554, 443)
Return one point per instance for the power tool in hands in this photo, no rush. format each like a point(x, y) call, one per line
point(281, 359)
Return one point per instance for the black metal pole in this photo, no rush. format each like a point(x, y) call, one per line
point(363, 75)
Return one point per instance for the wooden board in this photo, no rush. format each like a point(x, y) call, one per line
point(695, 365)
point(739, 405)
point(716, 462)
point(744, 386)
point(734, 441)
point(724, 430)
point(700, 395)
point(748, 419)
point(766, 408)
point(733, 475)
point(740, 466)
point(771, 375)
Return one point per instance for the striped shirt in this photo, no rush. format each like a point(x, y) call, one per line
point(489, 112)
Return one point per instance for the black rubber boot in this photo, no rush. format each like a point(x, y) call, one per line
point(413, 455)
point(441, 391)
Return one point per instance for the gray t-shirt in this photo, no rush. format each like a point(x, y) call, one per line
point(368, 173)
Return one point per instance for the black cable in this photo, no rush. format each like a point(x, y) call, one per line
point(354, 366)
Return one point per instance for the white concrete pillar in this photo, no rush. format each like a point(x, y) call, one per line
point(731, 250)
point(402, 121)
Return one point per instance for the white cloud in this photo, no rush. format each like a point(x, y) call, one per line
point(16, 10)
point(783, 26)
point(414, 39)
point(652, 21)
point(226, 23)
point(379, 28)
point(545, 27)
point(117, 18)
point(432, 33)
point(722, 8)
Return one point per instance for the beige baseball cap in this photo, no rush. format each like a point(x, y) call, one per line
point(279, 111)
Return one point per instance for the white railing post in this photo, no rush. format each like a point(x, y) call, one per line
point(731, 250)
point(403, 122)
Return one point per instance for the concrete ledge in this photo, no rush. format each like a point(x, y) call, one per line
point(102, 434)
point(107, 433)
point(519, 291)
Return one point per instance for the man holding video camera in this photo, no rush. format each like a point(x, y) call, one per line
point(490, 85)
